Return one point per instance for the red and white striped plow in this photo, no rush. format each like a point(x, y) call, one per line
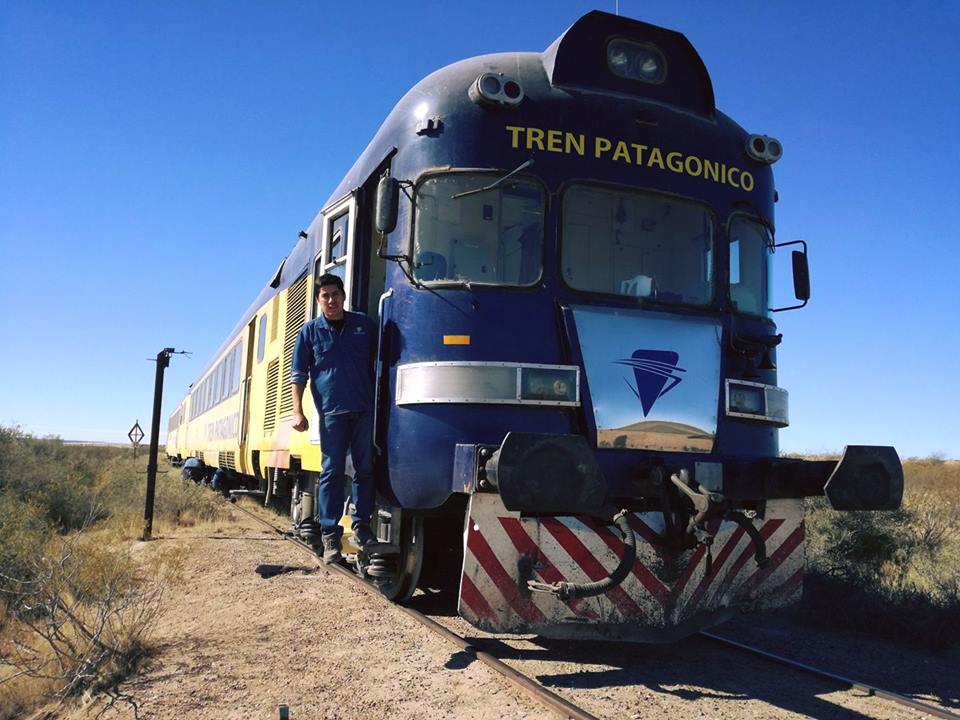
point(666, 595)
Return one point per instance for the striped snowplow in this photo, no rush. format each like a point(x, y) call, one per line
point(667, 593)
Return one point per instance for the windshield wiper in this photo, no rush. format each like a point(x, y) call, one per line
point(495, 184)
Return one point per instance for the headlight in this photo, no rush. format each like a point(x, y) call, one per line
point(635, 61)
point(496, 89)
point(757, 401)
point(548, 384)
point(746, 399)
point(765, 149)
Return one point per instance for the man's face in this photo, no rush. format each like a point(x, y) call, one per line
point(330, 298)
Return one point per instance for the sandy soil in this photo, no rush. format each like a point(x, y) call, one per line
point(234, 645)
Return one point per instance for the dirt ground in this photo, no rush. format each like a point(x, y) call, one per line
point(232, 644)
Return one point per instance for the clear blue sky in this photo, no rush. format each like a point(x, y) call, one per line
point(158, 158)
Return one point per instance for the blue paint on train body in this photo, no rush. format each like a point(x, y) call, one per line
point(571, 111)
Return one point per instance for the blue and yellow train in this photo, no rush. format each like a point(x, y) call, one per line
point(568, 254)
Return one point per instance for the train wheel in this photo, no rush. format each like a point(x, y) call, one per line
point(400, 587)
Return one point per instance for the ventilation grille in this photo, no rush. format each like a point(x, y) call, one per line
point(227, 460)
point(270, 413)
point(296, 315)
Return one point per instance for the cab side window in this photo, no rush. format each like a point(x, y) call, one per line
point(262, 337)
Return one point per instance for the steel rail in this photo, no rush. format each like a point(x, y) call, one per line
point(839, 679)
point(537, 691)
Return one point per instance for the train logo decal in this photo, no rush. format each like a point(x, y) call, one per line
point(652, 371)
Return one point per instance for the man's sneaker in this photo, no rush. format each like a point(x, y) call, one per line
point(363, 535)
point(331, 548)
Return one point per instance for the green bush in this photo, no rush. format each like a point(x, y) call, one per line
point(23, 533)
point(61, 479)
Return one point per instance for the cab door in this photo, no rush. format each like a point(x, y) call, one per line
point(338, 253)
point(337, 257)
point(245, 466)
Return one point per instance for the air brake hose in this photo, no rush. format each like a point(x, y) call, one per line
point(569, 591)
point(760, 551)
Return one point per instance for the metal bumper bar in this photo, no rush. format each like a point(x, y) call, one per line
point(554, 473)
point(867, 477)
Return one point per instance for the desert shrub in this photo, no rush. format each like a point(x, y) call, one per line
point(75, 608)
point(176, 501)
point(83, 617)
point(75, 485)
point(50, 475)
point(185, 502)
point(23, 531)
point(895, 574)
point(859, 543)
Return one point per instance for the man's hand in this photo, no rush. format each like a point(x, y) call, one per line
point(300, 423)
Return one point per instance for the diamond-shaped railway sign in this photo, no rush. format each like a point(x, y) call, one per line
point(135, 434)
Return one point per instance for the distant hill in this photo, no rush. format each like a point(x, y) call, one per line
point(657, 435)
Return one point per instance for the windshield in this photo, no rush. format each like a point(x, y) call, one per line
point(637, 245)
point(751, 255)
point(493, 237)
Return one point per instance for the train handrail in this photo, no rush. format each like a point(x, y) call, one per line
point(379, 368)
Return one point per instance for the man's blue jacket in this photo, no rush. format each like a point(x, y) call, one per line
point(340, 366)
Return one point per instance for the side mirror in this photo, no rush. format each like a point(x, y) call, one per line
point(801, 275)
point(388, 203)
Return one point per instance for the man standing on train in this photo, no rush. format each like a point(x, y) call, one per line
point(337, 352)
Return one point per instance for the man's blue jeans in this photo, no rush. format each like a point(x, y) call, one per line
point(339, 432)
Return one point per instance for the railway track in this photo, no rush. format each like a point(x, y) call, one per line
point(845, 682)
point(565, 708)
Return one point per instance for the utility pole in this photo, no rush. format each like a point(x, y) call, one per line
point(163, 361)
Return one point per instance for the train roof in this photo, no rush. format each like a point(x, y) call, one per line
point(576, 62)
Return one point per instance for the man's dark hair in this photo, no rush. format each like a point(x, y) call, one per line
point(329, 279)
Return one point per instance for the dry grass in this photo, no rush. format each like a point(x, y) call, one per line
point(76, 604)
point(895, 574)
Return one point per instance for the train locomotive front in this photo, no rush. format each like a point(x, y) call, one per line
point(586, 330)
point(569, 255)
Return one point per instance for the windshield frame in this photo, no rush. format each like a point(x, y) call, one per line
point(493, 174)
point(768, 265)
point(629, 300)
